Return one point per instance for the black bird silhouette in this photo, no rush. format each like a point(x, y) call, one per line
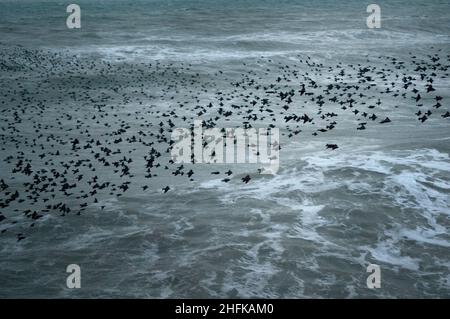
point(423, 118)
point(332, 146)
point(246, 179)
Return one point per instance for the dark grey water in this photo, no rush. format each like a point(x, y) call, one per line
point(310, 230)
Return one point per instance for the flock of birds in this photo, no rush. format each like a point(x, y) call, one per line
point(75, 130)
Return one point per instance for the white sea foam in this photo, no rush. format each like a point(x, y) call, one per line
point(397, 176)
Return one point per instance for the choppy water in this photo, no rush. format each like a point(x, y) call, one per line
point(309, 231)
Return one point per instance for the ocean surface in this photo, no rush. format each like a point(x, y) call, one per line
point(86, 121)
